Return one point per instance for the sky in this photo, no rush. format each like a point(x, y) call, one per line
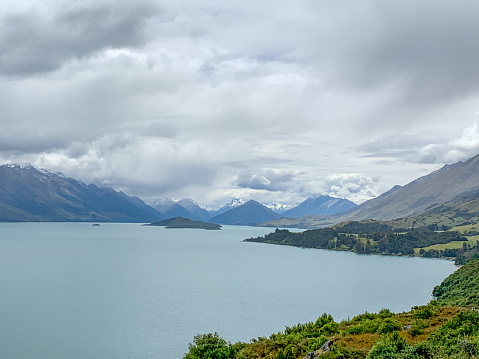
point(275, 101)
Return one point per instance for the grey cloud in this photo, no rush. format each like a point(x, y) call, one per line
point(224, 99)
point(353, 186)
point(270, 180)
point(174, 178)
point(33, 42)
point(15, 142)
point(159, 130)
point(430, 48)
point(77, 149)
point(424, 149)
point(399, 146)
point(255, 182)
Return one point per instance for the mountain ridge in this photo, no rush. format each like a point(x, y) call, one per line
point(250, 213)
point(29, 194)
point(440, 186)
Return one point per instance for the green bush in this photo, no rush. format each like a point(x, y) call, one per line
point(417, 328)
point(415, 331)
point(329, 329)
point(323, 320)
point(209, 346)
point(424, 312)
point(421, 351)
point(316, 343)
point(385, 313)
point(389, 325)
point(365, 326)
point(459, 335)
point(388, 346)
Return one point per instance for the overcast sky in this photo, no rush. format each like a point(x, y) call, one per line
point(268, 100)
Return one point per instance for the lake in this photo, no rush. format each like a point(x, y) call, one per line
point(76, 291)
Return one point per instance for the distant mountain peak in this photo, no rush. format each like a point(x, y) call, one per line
point(321, 205)
point(236, 202)
point(188, 202)
point(249, 213)
point(164, 201)
point(185, 207)
point(281, 207)
point(30, 167)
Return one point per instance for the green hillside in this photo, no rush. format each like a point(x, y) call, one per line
point(444, 328)
point(461, 211)
point(461, 287)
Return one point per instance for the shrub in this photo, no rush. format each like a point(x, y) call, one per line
point(389, 325)
point(209, 346)
point(385, 313)
point(316, 343)
point(388, 347)
point(424, 312)
point(329, 329)
point(323, 320)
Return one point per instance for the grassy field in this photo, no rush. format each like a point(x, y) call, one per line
point(453, 245)
point(466, 228)
point(450, 245)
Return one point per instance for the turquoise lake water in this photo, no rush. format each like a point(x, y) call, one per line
point(73, 291)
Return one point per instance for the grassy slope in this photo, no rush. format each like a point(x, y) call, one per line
point(461, 211)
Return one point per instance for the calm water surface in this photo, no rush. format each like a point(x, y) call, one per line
point(73, 291)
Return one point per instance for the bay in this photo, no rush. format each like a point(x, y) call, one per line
point(72, 290)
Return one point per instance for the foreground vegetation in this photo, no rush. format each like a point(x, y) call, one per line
point(377, 237)
point(445, 328)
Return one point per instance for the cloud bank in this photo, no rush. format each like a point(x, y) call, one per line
point(273, 101)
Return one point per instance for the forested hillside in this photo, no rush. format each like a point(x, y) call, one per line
point(376, 237)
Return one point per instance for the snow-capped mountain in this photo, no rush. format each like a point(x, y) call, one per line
point(281, 207)
point(185, 207)
point(322, 205)
point(235, 202)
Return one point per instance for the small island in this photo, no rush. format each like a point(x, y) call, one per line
point(181, 222)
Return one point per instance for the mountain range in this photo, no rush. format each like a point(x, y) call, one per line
point(28, 194)
point(188, 208)
point(236, 212)
point(185, 208)
point(251, 212)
